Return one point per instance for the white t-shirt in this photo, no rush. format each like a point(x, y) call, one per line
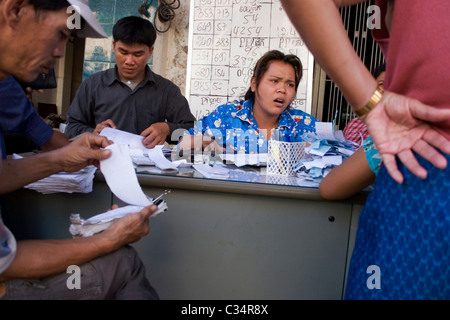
point(8, 247)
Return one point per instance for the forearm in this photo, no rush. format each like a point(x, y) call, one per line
point(197, 143)
point(86, 150)
point(41, 258)
point(320, 26)
point(57, 140)
point(17, 173)
point(347, 179)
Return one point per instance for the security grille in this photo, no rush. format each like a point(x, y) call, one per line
point(355, 20)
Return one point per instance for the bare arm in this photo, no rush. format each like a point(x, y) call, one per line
point(199, 143)
point(57, 140)
point(398, 125)
point(344, 181)
point(320, 26)
point(41, 258)
point(18, 173)
point(83, 151)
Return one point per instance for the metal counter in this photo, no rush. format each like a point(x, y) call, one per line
point(248, 237)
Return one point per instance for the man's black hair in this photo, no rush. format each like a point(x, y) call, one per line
point(134, 29)
point(49, 5)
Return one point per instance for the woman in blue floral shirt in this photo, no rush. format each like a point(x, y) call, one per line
point(245, 126)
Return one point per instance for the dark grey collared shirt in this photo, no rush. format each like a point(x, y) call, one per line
point(103, 96)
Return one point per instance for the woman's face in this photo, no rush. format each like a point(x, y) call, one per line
point(380, 79)
point(276, 89)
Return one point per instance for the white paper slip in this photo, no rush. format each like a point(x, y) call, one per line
point(121, 178)
point(332, 160)
point(133, 141)
point(325, 130)
point(157, 156)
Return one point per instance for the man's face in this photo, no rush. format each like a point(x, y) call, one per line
point(38, 42)
point(131, 60)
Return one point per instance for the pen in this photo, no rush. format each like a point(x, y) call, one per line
point(158, 199)
point(287, 135)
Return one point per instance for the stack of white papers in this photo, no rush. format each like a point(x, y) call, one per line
point(322, 156)
point(212, 172)
point(325, 131)
point(327, 150)
point(80, 181)
point(257, 159)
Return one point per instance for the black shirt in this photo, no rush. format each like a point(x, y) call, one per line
point(103, 96)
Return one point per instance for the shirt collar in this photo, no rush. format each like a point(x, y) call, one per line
point(112, 75)
point(245, 111)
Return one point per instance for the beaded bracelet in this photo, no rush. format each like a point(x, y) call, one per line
point(376, 97)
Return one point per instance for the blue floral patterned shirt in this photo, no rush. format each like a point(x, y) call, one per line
point(233, 126)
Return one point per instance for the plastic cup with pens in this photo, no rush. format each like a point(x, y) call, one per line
point(284, 151)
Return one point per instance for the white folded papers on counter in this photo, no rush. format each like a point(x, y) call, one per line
point(257, 159)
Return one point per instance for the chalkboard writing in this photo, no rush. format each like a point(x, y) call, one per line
point(226, 38)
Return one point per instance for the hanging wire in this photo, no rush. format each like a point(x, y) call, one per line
point(165, 13)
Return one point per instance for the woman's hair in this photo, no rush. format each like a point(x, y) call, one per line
point(262, 65)
point(134, 29)
point(378, 70)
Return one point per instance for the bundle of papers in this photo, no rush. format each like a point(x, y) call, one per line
point(80, 227)
point(327, 150)
point(257, 159)
point(80, 181)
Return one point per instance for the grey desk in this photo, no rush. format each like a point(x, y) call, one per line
point(247, 237)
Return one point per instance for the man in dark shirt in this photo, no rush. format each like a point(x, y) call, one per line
point(130, 97)
point(33, 34)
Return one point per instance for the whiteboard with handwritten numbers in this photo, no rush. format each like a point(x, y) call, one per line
point(226, 38)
